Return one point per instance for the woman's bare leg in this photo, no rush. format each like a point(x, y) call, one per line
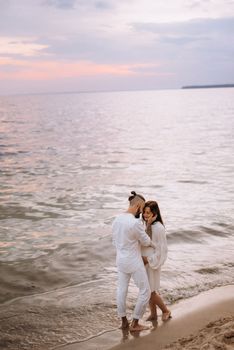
point(166, 313)
point(159, 302)
point(153, 309)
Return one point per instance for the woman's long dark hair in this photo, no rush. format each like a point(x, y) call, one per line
point(154, 208)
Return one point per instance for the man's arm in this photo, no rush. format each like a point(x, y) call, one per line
point(149, 230)
point(142, 235)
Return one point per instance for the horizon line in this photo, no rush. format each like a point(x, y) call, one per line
point(184, 87)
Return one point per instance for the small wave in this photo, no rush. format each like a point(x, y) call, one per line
point(14, 122)
point(67, 264)
point(5, 146)
point(199, 153)
point(197, 236)
point(131, 187)
point(208, 270)
point(193, 182)
point(141, 148)
point(19, 212)
point(91, 167)
point(117, 152)
point(6, 173)
point(215, 232)
point(8, 154)
point(225, 225)
point(112, 161)
point(188, 236)
point(8, 121)
point(229, 264)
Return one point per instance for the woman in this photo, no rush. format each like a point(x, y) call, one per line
point(155, 258)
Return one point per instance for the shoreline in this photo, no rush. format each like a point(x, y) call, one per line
point(195, 312)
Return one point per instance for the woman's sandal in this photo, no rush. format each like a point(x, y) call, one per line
point(166, 316)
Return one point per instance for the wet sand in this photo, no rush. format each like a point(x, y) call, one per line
point(205, 321)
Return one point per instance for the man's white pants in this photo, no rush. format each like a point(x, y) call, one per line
point(141, 281)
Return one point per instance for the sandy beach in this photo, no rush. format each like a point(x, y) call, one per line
point(205, 321)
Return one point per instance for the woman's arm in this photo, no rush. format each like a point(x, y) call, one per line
point(159, 256)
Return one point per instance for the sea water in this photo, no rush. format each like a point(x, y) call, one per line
point(67, 165)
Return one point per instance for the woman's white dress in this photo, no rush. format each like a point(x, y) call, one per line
point(156, 257)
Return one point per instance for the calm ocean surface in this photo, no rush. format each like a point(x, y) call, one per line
point(67, 165)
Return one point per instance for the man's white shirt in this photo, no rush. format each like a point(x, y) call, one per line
point(128, 236)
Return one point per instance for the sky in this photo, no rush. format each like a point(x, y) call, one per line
point(104, 45)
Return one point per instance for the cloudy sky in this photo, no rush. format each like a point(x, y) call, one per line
point(86, 45)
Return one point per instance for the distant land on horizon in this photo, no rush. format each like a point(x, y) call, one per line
point(208, 86)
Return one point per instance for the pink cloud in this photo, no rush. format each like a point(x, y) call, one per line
point(50, 70)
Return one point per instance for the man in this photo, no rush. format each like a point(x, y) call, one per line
point(128, 236)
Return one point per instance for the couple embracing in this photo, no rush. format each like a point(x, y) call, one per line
point(141, 249)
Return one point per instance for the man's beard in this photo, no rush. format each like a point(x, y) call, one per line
point(138, 213)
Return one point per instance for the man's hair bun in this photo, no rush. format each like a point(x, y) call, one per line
point(134, 194)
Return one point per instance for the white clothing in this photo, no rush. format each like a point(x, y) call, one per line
point(128, 235)
point(141, 281)
point(156, 257)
